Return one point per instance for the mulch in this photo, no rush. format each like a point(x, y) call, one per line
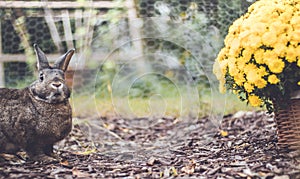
point(242, 145)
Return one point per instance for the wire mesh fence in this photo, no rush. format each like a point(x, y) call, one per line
point(166, 49)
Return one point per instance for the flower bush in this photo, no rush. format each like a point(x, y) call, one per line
point(261, 57)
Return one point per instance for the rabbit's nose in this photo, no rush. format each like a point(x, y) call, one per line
point(56, 85)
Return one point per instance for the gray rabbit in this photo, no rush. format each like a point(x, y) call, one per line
point(38, 116)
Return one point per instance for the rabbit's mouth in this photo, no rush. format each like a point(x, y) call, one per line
point(57, 96)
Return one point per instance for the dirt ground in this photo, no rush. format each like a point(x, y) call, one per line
point(243, 146)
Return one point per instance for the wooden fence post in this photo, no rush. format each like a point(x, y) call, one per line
point(2, 77)
point(135, 33)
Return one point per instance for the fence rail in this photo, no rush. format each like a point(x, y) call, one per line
point(59, 4)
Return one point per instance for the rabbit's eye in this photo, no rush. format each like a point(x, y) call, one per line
point(41, 77)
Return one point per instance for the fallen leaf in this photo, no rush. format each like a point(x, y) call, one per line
point(224, 133)
point(174, 171)
point(65, 163)
point(189, 169)
point(87, 152)
point(152, 161)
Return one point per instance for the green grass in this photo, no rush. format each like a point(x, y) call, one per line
point(157, 106)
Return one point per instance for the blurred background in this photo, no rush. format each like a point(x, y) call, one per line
point(133, 58)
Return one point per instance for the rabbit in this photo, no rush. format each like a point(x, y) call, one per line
point(35, 118)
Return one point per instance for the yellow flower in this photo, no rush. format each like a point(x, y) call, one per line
point(254, 41)
point(262, 71)
point(298, 83)
point(286, 15)
point(222, 54)
point(296, 35)
point(260, 83)
point(235, 48)
point(275, 65)
point(286, 28)
point(239, 78)
point(258, 27)
point(252, 76)
point(269, 56)
point(276, 27)
point(233, 70)
point(259, 56)
point(241, 63)
point(273, 79)
point(269, 38)
point(295, 20)
point(248, 87)
point(298, 63)
point(250, 67)
point(228, 39)
point(254, 100)
point(291, 54)
point(247, 53)
point(283, 39)
point(279, 49)
point(278, 7)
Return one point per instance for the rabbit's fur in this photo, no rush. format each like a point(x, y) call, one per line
point(36, 117)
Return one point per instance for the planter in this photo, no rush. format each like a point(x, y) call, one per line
point(288, 124)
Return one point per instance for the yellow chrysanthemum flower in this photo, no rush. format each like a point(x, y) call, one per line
point(283, 39)
point(286, 15)
point(250, 67)
point(279, 49)
point(295, 20)
point(252, 77)
point(254, 100)
point(259, 56)
point(296, 35)
point(233, 70)
point(254, 41)
point(269, 38)
point(291, 54)
point(273, 79)
point(275, 65)
point(269, 56)
point(260, 83)
point(276, 27)
point(239, 78)
point(258, 27)
point(262, 71)
point(222, 54)
point(247, 54)
point(248, 87)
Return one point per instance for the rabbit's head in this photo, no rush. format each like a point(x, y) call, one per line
point(50, 86)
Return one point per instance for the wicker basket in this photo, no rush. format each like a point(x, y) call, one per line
point(288, 125)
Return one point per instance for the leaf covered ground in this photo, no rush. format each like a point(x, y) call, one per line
point(243, 146)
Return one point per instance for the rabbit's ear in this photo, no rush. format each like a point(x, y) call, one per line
point(63, 62)
point(42, 61)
